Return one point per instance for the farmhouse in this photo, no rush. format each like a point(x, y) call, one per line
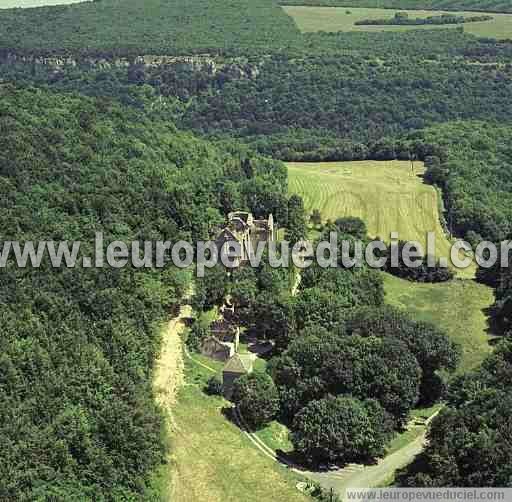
point(239, 365)
point(244, 231)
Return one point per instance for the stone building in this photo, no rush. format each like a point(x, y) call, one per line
point(216, 349)
point(223, 342)
point(245, 231)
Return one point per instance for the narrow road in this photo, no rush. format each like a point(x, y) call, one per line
point(360, 476)
point(352, 475)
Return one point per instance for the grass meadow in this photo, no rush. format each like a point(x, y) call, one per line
point(343, 18)
point(459, 307)
point(213, 460)
point(387, 196)
point(390, 196)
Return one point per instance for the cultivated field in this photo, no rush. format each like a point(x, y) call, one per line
point(387, 196)
point(343, 19)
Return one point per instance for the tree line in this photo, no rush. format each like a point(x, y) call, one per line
point(403, 19)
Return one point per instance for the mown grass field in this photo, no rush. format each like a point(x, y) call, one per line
point(387, 196)
point(213, 460)
point(457, 306)
point(343, 19)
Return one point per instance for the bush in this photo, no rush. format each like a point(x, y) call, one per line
point(352, 226)
point(257, 398)
point(197, 333)
point(214, 386)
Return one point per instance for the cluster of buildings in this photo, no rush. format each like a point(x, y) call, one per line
point(223, 344)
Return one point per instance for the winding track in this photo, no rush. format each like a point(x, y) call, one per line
point(352, 475)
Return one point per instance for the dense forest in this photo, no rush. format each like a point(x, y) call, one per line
point(469, 442)
point(99, 147)
point(475, 5)
point(131, 27)
point(313, 108)
point(78, 419)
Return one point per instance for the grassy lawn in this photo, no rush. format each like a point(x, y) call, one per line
point(343, 19)
point(276, 436)
point(415, 429)
point(456, 306)
point(213, 460)
point(388, 196)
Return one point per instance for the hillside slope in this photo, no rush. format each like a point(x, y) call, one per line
point(78, 419)
point(149, 27)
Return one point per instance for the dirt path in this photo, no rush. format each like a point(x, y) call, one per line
point(169, 366)
point(169, 377)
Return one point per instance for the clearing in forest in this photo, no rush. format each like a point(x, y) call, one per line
point(458, 307)
point(343, 18)
point(213, 460)
point(387, 196)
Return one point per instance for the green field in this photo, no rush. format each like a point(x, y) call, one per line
point(389, 196)
point(343, 19)
point(213, 460)
point(457, 306)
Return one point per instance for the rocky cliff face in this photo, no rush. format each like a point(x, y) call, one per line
point(235, 68)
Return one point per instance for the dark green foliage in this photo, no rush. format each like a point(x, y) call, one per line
point(475, 176)
point(469, 442)
point(210, 290)
point(341, 429)
point(326, 293)
point(355, 227)
point(403, 19)
point(434, 351)
point(131, 27)
point(320, 363)
point(196, 335)
point(421, 269)
point(271, 318)
point(78, 346)
point(214, 386)
point(257, 398)
point(296, 227)
point(338, 107)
